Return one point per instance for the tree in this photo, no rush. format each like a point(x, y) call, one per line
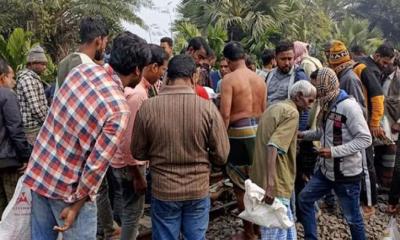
point(55, 23)
point(353, 31)
point(383, 14)
point(15, 51)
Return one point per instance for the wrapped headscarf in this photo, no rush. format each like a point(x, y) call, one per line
point(300, 51)
point(327, 85)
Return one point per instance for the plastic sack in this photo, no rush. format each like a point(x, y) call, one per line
point(392, 231)
point(16, 218)
point(260, 213)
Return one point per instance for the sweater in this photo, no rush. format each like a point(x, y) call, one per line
point(345, 131)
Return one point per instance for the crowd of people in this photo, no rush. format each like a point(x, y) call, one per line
point(138, 123)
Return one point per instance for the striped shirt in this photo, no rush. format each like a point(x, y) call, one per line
point(80, 135)
point(180, 134)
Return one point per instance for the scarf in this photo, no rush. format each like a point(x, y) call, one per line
point(327, 85)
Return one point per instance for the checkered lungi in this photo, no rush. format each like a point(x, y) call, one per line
point(278, 233)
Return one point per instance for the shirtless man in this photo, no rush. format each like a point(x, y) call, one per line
point(243, 100)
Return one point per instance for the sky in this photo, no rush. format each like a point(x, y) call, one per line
point(158, 20)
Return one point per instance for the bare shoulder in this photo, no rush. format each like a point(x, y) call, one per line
point(227, 80)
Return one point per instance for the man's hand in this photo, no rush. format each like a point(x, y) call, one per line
point(140, 185)
point(69, 214)
point(377, 132)
point(396, 128)
point(325, 152)
point(300, 135)
point(392, 209)
point(269, 196)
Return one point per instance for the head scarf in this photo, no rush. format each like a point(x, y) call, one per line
point(327, 85)
point(300, 51)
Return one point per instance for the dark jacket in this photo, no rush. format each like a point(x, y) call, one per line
point(372, 67)
point(14, 148)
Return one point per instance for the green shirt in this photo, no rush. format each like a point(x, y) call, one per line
point(277, 127)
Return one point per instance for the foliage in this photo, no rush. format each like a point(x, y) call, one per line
point(185, 31)
point(353, 31)
point(15, 49)
point(217, 36)
point(55, 23)
point(383, 14)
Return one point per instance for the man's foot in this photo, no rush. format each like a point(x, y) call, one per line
point(368, 211)
point(116, 235)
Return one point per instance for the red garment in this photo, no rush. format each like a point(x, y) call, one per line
point(200, 91)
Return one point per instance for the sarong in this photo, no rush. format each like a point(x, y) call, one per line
point(242, 134)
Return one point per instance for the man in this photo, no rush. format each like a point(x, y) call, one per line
point(274, 165)
point(268, 61)
point(14, 148)
point(304, 60)
point(348, 80)
point(180, 134)
point(250, 63)
point(93, 33)
point(80, 136)
point(357, 52)
point(129, 172)
point(223, 71)
point(168, 45)
point(339, 60)
point(243, 95)
point(31, 97)
point(284, 76)
point(380, 62)
point(392, 102)
point(343, 133)
point(200, 51)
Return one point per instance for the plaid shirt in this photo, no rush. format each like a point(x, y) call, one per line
point(81, 134)
point(32, 100)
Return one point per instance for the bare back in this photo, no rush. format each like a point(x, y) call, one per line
point(243, 95)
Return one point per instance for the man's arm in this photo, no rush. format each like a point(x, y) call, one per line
point(218, 141)
point(311, 135)
point(376, 98)
point(98, 160)
point(226, 101)
point(15, 130)
point(272, 154)
point(139, 143)
point(34, 93)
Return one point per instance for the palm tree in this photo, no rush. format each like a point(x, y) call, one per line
point(353, 31)
point(55, 22)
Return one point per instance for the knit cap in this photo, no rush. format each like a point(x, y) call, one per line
point(36, 55)
point(338, 53)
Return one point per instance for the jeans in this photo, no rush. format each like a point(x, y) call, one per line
point(132, 203)
point(169, 218)
point(105, 224)
point(46, 215)
point(349, 199)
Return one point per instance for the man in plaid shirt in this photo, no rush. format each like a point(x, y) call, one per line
point(78, 139)
point(30, 92)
